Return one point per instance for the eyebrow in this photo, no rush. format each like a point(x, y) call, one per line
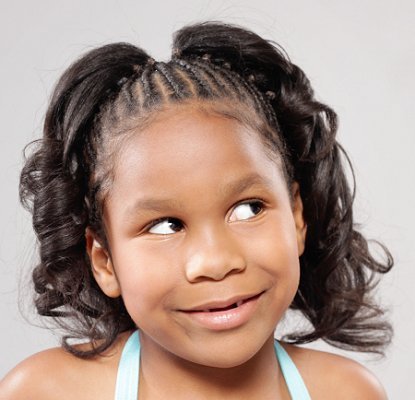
point(246, 182)
point(154, 204)
point(229, 190)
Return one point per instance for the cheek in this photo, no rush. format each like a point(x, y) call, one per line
point(276, 252)
point(146, 278)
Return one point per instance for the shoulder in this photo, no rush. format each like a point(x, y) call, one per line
point(39, 376)
point(329, 376)
point(55, 373)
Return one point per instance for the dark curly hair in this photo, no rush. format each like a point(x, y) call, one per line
point(118, 86)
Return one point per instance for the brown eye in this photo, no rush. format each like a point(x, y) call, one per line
point(165, 226)
point(246, 210)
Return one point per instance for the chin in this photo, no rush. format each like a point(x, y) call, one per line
point(226, 362)
point(227, 355)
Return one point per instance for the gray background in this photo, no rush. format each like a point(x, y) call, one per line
point(359, 56)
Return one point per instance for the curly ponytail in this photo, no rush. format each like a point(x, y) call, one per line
point(55, 187)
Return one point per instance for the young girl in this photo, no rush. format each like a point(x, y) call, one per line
point(181, 209)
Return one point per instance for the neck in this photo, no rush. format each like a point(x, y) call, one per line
point(164, 375)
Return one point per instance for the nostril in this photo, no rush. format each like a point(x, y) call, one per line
point(201, 268)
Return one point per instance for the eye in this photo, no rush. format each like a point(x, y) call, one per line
point(165, 226)
point(246, 210)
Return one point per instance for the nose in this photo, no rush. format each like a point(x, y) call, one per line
point(213, 256)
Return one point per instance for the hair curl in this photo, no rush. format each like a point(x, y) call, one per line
point(65, 179)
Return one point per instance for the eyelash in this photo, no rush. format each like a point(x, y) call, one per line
point(157, 221)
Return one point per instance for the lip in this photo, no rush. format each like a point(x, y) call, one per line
point(224, 315)
point(219, 304)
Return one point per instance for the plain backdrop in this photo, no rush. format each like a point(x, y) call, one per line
point(359, 56)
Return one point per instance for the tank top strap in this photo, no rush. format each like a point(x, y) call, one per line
point(128, 370)
point(293, 379)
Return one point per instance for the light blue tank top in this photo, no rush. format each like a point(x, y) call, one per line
point(129, 367)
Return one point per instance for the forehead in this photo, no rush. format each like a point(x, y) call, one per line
point(192, 139)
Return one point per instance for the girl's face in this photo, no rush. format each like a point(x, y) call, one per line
point(203, 237)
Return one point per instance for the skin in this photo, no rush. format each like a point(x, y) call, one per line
point(218, 243)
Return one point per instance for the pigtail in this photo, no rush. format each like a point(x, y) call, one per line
point(338, 270)
point(54, 186)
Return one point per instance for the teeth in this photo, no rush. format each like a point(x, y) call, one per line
point(234, 305)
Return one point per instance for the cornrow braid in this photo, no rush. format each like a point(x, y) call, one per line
point(171, 80)
point(217, 80)
point(204, 89)
point(260, 101)
point(151, 96)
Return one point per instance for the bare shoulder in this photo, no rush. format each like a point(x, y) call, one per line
point(55, 373)
point(38, 376)
point(329, 376)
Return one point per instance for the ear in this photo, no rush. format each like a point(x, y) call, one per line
point(101, 264)
point(300, 225)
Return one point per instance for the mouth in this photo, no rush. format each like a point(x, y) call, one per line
point(225, 315)
point(220, 306)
